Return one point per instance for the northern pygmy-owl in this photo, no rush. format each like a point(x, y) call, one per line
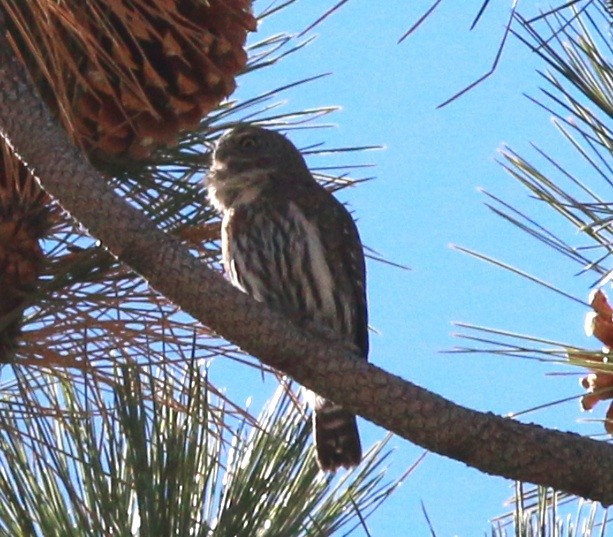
point(289, 243)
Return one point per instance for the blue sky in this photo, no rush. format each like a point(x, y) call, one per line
point(424, 197)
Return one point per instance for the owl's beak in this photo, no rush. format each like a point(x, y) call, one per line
point(218, 166)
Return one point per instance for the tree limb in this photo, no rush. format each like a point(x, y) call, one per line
point(490, 443)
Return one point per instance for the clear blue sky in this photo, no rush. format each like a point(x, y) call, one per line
point(425, 197)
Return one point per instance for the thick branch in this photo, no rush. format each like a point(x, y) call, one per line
point(490, 443)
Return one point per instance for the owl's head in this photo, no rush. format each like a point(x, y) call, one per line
point(248, 159)
point(247, 148)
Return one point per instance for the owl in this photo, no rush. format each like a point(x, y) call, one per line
point(287, 242)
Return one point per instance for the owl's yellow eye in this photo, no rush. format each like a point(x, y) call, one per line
point(248, 142)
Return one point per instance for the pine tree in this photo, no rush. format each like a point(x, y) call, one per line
point(111, 424)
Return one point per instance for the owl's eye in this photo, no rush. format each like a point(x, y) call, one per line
point(248, 142)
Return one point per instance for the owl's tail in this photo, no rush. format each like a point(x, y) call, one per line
point(336, 437)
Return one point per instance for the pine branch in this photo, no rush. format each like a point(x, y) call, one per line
point(490, 443)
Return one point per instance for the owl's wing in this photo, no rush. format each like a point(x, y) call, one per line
point(301, 255)
point(340, 238)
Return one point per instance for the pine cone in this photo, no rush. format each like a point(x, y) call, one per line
point(24, 220)
point(128, 76)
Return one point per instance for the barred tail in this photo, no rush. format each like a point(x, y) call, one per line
point(336, 437)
